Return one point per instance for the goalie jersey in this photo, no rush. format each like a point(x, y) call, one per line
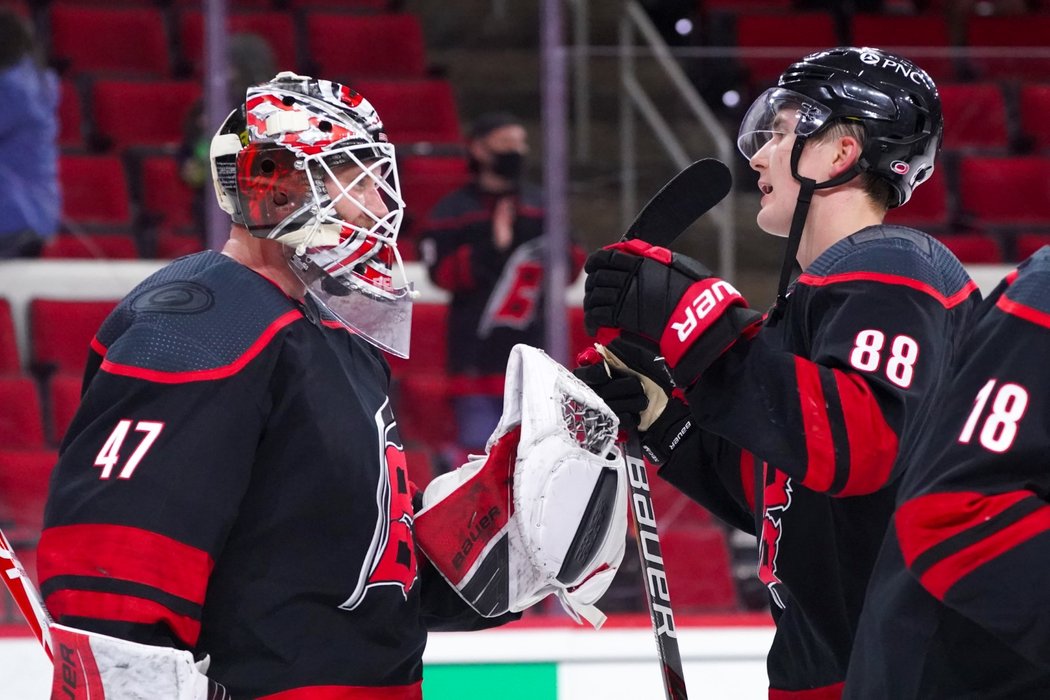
point(957, 605)
point(799, 429)
point(234, 484)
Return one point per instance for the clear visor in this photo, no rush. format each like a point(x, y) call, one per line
point(383, 320)
point(776, 113)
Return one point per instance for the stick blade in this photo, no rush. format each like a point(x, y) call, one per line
point(688, 196)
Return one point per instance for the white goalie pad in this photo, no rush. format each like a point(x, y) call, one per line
point(544, 510)
point(90, 666)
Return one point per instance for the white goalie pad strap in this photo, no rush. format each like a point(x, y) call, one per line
point(544, 510)
point(90, 666)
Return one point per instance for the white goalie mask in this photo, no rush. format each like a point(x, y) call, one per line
point(306, 162)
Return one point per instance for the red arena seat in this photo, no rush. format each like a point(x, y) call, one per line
point(9, 357)
point(973, 248)
point(70, 117)
point(165, 195)
point(60, 331)
point(21, 421)
point(1034, 107)
point(1006, 190)
point(974, 116)
point(769, 42)
point(119, 40)
point(142, 113)
point(100, 246)
point(64, 398)
point(24, 476)
point(928, 206)
point(698, 573)
point(415, 110)
point(277, 28)
point(383, 46)
point(94, 190)
point(998, 45)
point(908, 35)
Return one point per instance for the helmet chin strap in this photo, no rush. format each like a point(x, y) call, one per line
point(798, 221)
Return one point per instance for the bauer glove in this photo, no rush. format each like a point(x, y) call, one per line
point(667, 302)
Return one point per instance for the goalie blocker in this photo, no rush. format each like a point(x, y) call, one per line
point(544, 510)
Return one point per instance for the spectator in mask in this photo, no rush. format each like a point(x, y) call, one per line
point(484, 244)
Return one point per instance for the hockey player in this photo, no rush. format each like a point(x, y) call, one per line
point(233, 489)
point(957, 605)
point(787, 427)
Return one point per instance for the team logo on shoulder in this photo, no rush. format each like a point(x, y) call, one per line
point(175, 298)
point(391, 559)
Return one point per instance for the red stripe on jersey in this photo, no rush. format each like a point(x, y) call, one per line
point(882, 278)
point(350, 692)
point(123, 608)
point(940, 577)
point(1014, 308)
point(747, 477)
point(454, 271)
point(926, 521)
point(127, 554)
point(820, 446)
point(164, 377)
point(98, 346)
point(872, 442)
point(827, 692)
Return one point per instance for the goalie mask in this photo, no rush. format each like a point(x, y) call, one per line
point(306, 162)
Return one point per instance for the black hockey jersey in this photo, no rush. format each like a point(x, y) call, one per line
point(957, 605)
point(497, 296)
point(234, 484)
point(800, 428)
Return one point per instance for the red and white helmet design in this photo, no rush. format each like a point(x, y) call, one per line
point(306, 162)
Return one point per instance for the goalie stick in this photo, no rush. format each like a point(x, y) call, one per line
point(28, 599)
point(683, 200)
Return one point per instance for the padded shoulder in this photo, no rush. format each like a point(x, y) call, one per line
point(1030, 285)
point(894, 251)
point(202, 312)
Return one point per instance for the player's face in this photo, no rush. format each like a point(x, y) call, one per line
point(779, 187)
point(356, 196)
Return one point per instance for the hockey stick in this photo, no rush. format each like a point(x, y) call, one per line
point(28, 599)
point(683, 200)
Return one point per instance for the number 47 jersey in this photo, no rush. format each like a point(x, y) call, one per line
point(959, 603)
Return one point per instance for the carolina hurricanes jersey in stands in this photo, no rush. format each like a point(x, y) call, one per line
point(497, 299)
point(957, 606)
point(234, 484)
point(812, 410)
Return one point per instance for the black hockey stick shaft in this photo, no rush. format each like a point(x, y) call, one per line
point(683, 200)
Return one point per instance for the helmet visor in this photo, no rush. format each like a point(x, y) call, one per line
point(384, 320)
point(776, 113)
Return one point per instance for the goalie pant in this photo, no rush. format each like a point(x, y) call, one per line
point(799, 430)
point(958, 601)
point(234, 484)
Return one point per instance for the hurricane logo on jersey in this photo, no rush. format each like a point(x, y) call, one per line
point(776, 500)
point(391, 559)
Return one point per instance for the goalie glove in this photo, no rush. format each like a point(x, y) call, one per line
point(544, 510)
point(92, 666)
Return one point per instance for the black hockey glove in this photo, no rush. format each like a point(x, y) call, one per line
point(623, 393)
point(666, 301)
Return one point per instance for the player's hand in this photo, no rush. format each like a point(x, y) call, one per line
point(689, 316)
point(620, 390)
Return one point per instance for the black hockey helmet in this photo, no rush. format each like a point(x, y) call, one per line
point(892, 99)
point(896, 102)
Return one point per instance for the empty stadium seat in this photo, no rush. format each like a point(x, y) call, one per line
point(423, 406)
point(165, 196)
point(24, 476)
point(973, 248)
point(424, 181)
point(1028, 243)
point(172, 244)
point(355, 5)
point(420, 466)
point(768, 43)
point(1034, 103)
point(101, 246)
point(21, 421)
point(974, 116)
point(351, 47)
point(278, 28)
point(119, 40)
point(1008, 190)
point(928, 206)
point(698, 574)
point(94, 190)
point(142, 113)
point(997, 45)
point(63, 399)
point(907, 35)
point(60, 331)
point(414, 110)
point(9, 357)
point(70, 117)
point(429, 350)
